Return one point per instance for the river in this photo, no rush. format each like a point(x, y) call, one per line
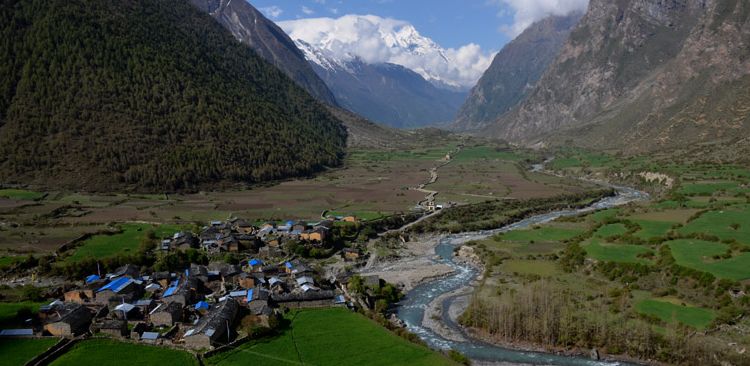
point(411, 310)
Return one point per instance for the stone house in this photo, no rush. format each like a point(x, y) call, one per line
point(214, 329)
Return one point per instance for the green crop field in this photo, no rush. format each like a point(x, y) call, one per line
point(695, 317)
point(651, 229)
point(487, 153)
point(731, 223)
point(128, 241)
point(622, 253)
point(112, 353)
point(18, 351)
point(7, 261)
point(578, 158)
point(602, 215)
point(706, 189)
point(20, 194)
point(698, 255)
point(9, 310)
point(542, 234)
point(330, 337)
point(611, 230)
point(530, 267)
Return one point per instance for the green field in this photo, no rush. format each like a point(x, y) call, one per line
point(698, 255)
point(128, 241)
point(7, 261)
point(112, 353)
point(542, 234)
point(487, 153)
point(720, 223)
point(9, 310)
point(331, 337)
point(607, 231)
point(707, 189)
point(602, 215)
point(18, 351)
point(698, 318)
point(621, 253)
point(20, 194)
point(530, 267)
point(651, 229)
point(579, 158)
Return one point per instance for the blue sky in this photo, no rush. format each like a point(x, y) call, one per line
point(451, 23)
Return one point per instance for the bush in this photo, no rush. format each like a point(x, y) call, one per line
point(458, 357)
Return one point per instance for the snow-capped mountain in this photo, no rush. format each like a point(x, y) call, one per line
point(385, 70)
point(376, 40)
point(384, 92)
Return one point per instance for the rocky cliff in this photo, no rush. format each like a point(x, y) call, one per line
point(642, 75)
point(515, 71)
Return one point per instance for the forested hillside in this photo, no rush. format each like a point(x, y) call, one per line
point(147, 95)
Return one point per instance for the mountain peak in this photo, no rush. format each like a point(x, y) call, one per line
point(377, 40)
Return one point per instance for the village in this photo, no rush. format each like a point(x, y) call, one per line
point(205, 307)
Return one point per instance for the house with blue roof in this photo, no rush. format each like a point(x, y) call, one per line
point(92, 278)
point(118, 290)
point(202, 306)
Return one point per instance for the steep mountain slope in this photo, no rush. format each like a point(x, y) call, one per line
point(642, 75)
point(514, 71)
point(249, 26)
point(414, 83)
point(150, 96)
point(390, 94)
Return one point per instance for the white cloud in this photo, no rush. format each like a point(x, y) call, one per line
point(307, 10)
point(377, 40)
point(526, 12)
point(272, 11)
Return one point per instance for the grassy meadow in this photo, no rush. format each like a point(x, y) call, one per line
point(330, 337)
point(18, 351)
point(104, 246)
point(113, 353)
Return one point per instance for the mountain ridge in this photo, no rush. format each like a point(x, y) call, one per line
point(148, 96)
point(251, 27)
point(514, 71)
point(642, 75)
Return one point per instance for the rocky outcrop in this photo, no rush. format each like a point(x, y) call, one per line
point(642, 75)
point(515, 71)
point(249, 26)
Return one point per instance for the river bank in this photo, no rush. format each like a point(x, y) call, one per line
point(432, 307)
point(414, 264)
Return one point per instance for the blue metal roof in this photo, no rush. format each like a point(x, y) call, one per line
point(115, 285)
point(169, 292)
point(150, 336)
point(92, 278)
point(249, 295)
point(201, 305)
point(172, 288)
point(123, 285)
point(289, 265)
point(255, 262)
